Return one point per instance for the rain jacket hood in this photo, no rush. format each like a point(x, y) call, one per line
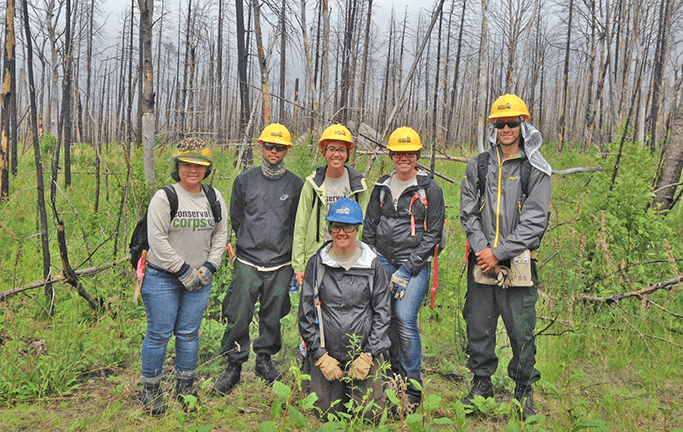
point(531, 144)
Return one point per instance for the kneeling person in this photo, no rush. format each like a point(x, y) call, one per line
point(345, 295)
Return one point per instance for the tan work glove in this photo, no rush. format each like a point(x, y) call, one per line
point(360, 367)
point(329, 366)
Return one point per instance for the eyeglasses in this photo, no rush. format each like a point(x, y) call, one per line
point(400, 154)
point(279, 147)
point(333, 150)
point(335, 227)
point(190, 165)
point(511, 124)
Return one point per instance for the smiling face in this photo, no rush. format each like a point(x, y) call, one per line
point(191, 175)
point(507, 136)
point(336, 154)
point(276, 153)
point(342, 239)
point(405, 163)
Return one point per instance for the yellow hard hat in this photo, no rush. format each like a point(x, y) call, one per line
point(404, 139)
point(276, 134)
point(336, 132)
point(193, 150)
point(509, 106)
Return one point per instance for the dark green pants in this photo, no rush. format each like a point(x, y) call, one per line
point(517, 306)
point(248, 285)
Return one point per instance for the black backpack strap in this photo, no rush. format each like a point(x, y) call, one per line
point(210, 193)
point(172, 199)
point(482, 164)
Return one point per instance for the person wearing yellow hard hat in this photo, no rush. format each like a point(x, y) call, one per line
point(504, 210)
point(262, 212)
point(187, 233)
point(403, 223)
point(321, 189)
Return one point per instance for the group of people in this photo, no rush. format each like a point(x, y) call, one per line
point(362, 260)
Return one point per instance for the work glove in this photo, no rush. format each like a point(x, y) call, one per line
point(329, 366)
point(205, 272)
point(502, 277)
point(399, 282)
point(189, 277)
point(360, 367)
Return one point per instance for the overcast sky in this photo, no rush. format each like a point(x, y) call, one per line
point(381, 8)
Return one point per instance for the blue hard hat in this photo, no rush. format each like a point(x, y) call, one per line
point(345, 210)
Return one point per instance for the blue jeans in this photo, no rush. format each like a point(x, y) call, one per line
point(405, 337)
point(171, 309)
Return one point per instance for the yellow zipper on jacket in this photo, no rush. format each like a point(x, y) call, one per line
point(500, 186)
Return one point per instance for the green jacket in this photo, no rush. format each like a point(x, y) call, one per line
point(311, 224)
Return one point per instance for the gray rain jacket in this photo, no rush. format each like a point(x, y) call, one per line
point(350, 306)
point(504, 219)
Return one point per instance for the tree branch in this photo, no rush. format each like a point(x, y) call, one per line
point(667, 285)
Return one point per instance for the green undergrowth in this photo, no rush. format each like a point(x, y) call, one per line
point(606, 365)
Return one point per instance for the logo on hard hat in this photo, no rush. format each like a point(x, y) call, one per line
point(404, 140)
point(276, 133)
point(340, 132)
point(506, 106)
point(344, 210)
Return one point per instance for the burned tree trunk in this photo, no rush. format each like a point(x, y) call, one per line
point(146, 13)
point(7, 97)
point(263, 64)
point(45, 240)
point(668, 181)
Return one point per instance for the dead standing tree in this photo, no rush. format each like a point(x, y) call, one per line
point(148, 121)
point(399, 102)
point(263, 63)
point(7, 96)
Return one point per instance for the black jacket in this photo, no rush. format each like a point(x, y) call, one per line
point(349, 306)
point(388, 230)
point(262, 214)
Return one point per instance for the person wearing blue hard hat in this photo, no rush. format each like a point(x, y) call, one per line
point(345, 298)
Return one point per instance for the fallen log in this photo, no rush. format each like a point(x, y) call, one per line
point(91, 271)
point(652, 287)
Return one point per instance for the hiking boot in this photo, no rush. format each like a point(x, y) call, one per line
point(481, 386)
point(153, 399)
point(265, 368)
point(228, 380)
point(525, 397)
point(414, 399)
point(185, 387)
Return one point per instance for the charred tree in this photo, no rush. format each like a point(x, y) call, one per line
point(146, 13)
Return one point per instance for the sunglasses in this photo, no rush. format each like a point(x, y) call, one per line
point(511, 124)
point(348, 228)
point(279, 147)
point(400, 154)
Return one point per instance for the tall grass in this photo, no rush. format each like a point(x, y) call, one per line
point(605, 366)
